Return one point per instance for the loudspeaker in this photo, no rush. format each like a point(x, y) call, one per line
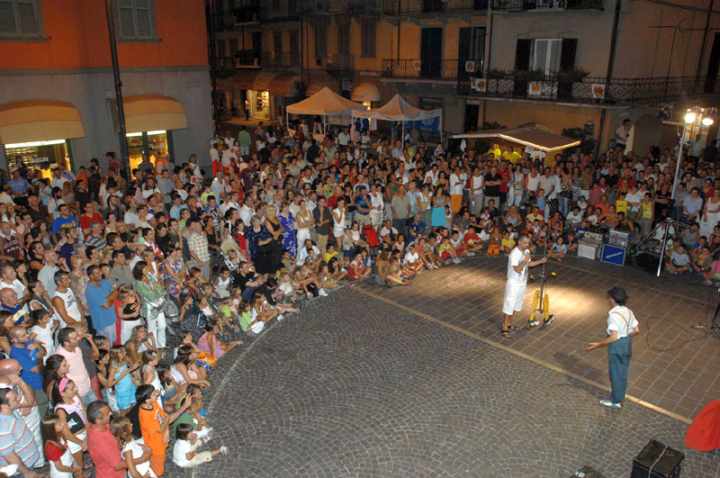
point(657, 460)
point(647, 262)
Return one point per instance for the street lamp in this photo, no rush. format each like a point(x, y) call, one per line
point(693, 119)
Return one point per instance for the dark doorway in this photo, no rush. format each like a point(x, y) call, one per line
point(472, 111)
point(431, 53)
point(713, 66)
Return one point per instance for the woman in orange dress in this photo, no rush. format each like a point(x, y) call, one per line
point(155, 424)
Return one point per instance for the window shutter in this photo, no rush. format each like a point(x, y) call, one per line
point(567, 54)
point(522, 55)
point(28, 19)
point(7, 18)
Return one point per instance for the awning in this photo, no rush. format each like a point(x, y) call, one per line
point(152, 113)
point(39, 120)
point(366, 92)
point(263, 80)
point(243, 79)
point(325, 102)
point(537, 137)
point(284, 84)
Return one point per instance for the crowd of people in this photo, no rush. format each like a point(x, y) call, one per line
point(119, 293)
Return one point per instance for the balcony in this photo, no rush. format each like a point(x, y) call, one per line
point(284, 60)
point(247, 14)
point(546, 5)
point(434, 7)
point(413, 69)
point(588, 90)
point(339, 62)
point(246, 59)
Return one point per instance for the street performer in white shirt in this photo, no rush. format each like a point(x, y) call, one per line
point(622, 326)
point(517, 277)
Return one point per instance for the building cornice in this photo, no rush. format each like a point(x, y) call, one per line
point(102, 70)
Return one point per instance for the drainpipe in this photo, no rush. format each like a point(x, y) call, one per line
point(702, 45)
point(487, 55)
point(608, 75)
point(399, 13)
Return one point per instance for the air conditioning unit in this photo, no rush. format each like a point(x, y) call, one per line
point(598, 91)
point(470, 66)
point(478, 84)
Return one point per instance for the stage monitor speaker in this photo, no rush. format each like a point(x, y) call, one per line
point(647, 262)
point(657, 460)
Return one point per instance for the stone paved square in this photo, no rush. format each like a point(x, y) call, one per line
point(358, 385)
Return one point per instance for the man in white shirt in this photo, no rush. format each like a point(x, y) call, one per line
point(343, 139)
point(621, 327)
point(517, 275)
point(477, 182)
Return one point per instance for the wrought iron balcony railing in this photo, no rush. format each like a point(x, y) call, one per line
point(282, 60)
point(547, 5)
point(589, 90)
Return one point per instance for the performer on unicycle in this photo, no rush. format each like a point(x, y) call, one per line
point(517, 276)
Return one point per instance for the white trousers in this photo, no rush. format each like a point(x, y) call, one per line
point(156, 324)
point(514, 297)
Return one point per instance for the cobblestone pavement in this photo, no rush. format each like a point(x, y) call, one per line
point(674, 365)
point(355, 386)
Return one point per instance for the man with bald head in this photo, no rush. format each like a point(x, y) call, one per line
point(9, 303)
point(25, 407)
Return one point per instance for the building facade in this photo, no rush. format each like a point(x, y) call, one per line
point(57, 93)
point(566, 64)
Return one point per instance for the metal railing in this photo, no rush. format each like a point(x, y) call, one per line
point(417, 69)
point(547, 5)
point(340, 62)
point(282, 60)
point(589, 90)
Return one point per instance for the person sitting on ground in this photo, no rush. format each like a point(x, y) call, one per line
point(185, 450)
point(679, 260)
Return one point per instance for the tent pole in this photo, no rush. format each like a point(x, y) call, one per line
point(403, 137)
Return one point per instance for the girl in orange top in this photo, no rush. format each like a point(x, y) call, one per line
point(155, 424)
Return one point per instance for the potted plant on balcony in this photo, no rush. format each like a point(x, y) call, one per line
point(523, 80)
point(566, 79)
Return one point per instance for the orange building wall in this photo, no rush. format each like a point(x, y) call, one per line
point(77, 38)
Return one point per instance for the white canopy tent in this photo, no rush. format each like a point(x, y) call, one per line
point(323, 103)
point(398, 109)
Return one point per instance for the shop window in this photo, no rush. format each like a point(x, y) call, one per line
point(136, 19)
point(19, 18)
point(155, 145)
point(39, 155)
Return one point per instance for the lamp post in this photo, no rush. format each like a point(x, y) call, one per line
point(693, 119)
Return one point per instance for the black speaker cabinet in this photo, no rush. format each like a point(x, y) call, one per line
point(657, 460)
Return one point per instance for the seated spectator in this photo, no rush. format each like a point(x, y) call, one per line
point(679, 260)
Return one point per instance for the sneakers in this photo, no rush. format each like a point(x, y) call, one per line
point(548, 321)
point(456, 260)
point(322, 293)
point(280, 317)
point(223, 450)
point(610, 404)
point(471, 254)
point(533, 323)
